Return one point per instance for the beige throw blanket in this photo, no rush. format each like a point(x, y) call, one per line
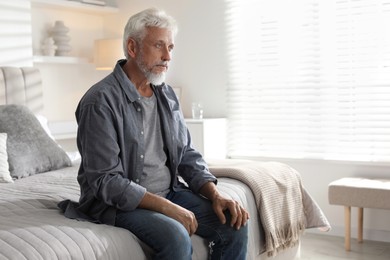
point(278, 194)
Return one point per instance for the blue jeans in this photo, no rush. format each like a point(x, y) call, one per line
point(170, 240)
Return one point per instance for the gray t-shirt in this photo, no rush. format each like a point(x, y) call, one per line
point(156, 177)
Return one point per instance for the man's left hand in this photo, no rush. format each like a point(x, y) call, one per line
point(239, 215)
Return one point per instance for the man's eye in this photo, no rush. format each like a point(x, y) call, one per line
point(158, 45)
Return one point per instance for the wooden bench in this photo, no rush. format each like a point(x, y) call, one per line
point(361, 193)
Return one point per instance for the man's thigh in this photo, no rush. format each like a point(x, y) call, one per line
point(153, 228)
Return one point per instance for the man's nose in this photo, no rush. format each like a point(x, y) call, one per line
point(166, 55)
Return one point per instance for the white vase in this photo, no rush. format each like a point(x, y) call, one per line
point(48, 47)
point(61, 39)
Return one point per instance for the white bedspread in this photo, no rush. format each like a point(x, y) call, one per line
point(32, 226)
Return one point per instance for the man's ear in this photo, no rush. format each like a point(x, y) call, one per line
point(132, 47)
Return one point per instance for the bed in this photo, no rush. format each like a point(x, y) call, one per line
point(36, 174)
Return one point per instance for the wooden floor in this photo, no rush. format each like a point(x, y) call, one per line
point(325, 247)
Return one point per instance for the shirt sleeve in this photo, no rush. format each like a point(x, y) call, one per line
point(193, 168)
point(101, 172)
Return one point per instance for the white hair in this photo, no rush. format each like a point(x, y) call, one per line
point(137, 24)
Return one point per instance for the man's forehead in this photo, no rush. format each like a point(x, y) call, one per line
point(156, 33)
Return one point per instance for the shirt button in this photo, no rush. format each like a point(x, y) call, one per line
point(142, 132)
point(139, 109)
point(137, 180)
point(142, 156)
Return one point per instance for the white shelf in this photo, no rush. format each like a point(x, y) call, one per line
point(60, 59)
point(75, 5)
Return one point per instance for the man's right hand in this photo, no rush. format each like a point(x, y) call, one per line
point(184, 216)
point(164, 206)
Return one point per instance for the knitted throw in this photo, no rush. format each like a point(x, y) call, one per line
point(277, 190)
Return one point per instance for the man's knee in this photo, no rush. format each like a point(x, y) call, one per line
point(177, 242)
point(241, 235)
point(177, 234)
point(232, 244)
point(237, 234)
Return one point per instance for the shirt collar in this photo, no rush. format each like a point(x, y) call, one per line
point(126, 84)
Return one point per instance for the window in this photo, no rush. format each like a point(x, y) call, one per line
point(15, 33)
point(309, 79)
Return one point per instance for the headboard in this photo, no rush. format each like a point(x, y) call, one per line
point(21, 86)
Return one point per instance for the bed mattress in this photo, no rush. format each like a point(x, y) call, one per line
point(32, 226)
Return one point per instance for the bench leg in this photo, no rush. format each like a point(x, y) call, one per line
point(347, 222)
point(360, 225)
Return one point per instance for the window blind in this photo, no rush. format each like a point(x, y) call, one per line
point(15, 33)
point(309, 79)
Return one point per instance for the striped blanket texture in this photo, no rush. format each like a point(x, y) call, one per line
point(281, 200)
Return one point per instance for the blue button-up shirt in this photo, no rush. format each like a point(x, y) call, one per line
point(110, 140)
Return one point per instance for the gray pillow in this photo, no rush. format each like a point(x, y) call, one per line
point(30, 149)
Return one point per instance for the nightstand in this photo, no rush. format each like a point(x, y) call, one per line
point(209, 136)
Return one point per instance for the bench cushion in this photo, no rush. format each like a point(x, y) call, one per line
point(360, 192)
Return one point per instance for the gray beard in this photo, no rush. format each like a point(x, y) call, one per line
point(153, 78)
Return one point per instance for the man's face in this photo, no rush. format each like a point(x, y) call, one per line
point(155, 53)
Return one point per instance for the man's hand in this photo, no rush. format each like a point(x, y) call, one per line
point(164, 206)
point(184, 216)
point(239, 215)
point(220, 203)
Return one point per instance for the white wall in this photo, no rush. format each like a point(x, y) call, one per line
point(199, 63)
point(65, 83)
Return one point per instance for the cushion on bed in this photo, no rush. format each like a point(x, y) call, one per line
point(30, 149)
point(45, 125)
point(5, 175)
